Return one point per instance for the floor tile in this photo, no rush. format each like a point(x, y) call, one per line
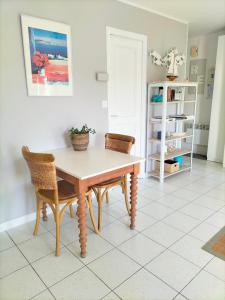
point(116, 233)
point(114, 267)
point(46, 295)
point(204, 232)
point(197, 211)
point(217, 220)
point(156, 210)
point(38, 247)
point(195, 187)
point(180, 297)
point(53, 268)
point(82, 285)
point(111, 296)
point(191, 249)
point(173, 269)
point(165, 187)
point(217, 268)
point(181, 221)
point(11, 260)
point(205, 286)
point(5, 241)
point(217, 193)
point(222, 210)
point(116, 210)
point(68, 233)
point(23, 284)
point(209, 202)
point(163, 234)
point(106, 219)
point(142, 221)
point(173, 202)
point(141, 249)
point(186, 194)
point(152, 193)
point(96, 247)
point(144, 286)
point(142, 201)
point(24, 232)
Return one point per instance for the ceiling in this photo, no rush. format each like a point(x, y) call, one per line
point(203, 16)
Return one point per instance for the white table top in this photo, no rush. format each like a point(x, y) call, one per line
point(94, 161)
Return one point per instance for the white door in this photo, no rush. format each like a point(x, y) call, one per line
point(126, 66)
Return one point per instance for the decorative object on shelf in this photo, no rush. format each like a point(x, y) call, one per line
point(157, 98)
point(194, 51)
point(80, 137)
point(197, 74)
point(180, 160)
point(170, 165)
point(171, 149)
point(47, 53)
point(171, 60)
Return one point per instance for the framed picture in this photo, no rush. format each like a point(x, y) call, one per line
point(47, 53)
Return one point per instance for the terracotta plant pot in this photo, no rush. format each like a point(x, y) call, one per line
point(171, 77)
point(80, 141)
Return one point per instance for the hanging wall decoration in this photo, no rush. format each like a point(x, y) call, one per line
point(171, 61)
point(47, 53)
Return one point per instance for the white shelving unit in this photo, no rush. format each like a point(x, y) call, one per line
point(157, 148)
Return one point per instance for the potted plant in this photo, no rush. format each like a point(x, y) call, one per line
point(80, 137)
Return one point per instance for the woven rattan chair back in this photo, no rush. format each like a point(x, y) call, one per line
point(42, 169)
point(119, 142)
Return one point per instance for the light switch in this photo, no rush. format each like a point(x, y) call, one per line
point(101, 76)
point(104, 104)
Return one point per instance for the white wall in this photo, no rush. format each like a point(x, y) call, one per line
point(217, 123)
point(42, 122)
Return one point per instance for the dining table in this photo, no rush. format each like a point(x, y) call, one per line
point(86, 168)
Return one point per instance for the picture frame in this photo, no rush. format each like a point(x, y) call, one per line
point(48, 57)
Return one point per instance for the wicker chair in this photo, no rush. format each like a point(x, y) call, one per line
point(120, 143)
point(49, 190)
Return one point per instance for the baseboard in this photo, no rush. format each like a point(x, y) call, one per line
point(20, 221)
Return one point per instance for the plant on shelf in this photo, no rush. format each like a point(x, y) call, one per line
point(80, 137)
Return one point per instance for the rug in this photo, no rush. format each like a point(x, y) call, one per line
point(216, 245)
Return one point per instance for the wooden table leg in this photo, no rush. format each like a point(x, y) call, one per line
point(133, 195)
point(44, 213)
point(82, 220)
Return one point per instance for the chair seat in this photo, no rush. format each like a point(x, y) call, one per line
point(108, 182)
point(65, 191)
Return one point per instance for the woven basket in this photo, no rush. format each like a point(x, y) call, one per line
point(80, 141)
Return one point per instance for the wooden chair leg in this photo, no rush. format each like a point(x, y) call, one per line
point(92, 213)
point(38, 217)
point(107, 197)
point(99, 199)
point(126, 196)
point(72, 212)
point(57, 225)
point(44, 213)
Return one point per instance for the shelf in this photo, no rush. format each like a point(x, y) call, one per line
point(169, 139)
point(173, 102)
point(173, 84)
point(159, 121)
point(156, 156)
point(156, 173)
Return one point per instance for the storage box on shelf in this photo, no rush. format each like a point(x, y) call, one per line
point(165, 127)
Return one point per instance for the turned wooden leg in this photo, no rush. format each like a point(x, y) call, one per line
point(81, 212)
point(44, 214)
point(133, 195)
point(92, 213)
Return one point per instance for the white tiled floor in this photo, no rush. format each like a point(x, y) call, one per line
point(161, 259)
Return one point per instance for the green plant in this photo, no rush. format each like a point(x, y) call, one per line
point(73, 131)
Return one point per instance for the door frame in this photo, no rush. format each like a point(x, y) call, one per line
point(143, 38)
